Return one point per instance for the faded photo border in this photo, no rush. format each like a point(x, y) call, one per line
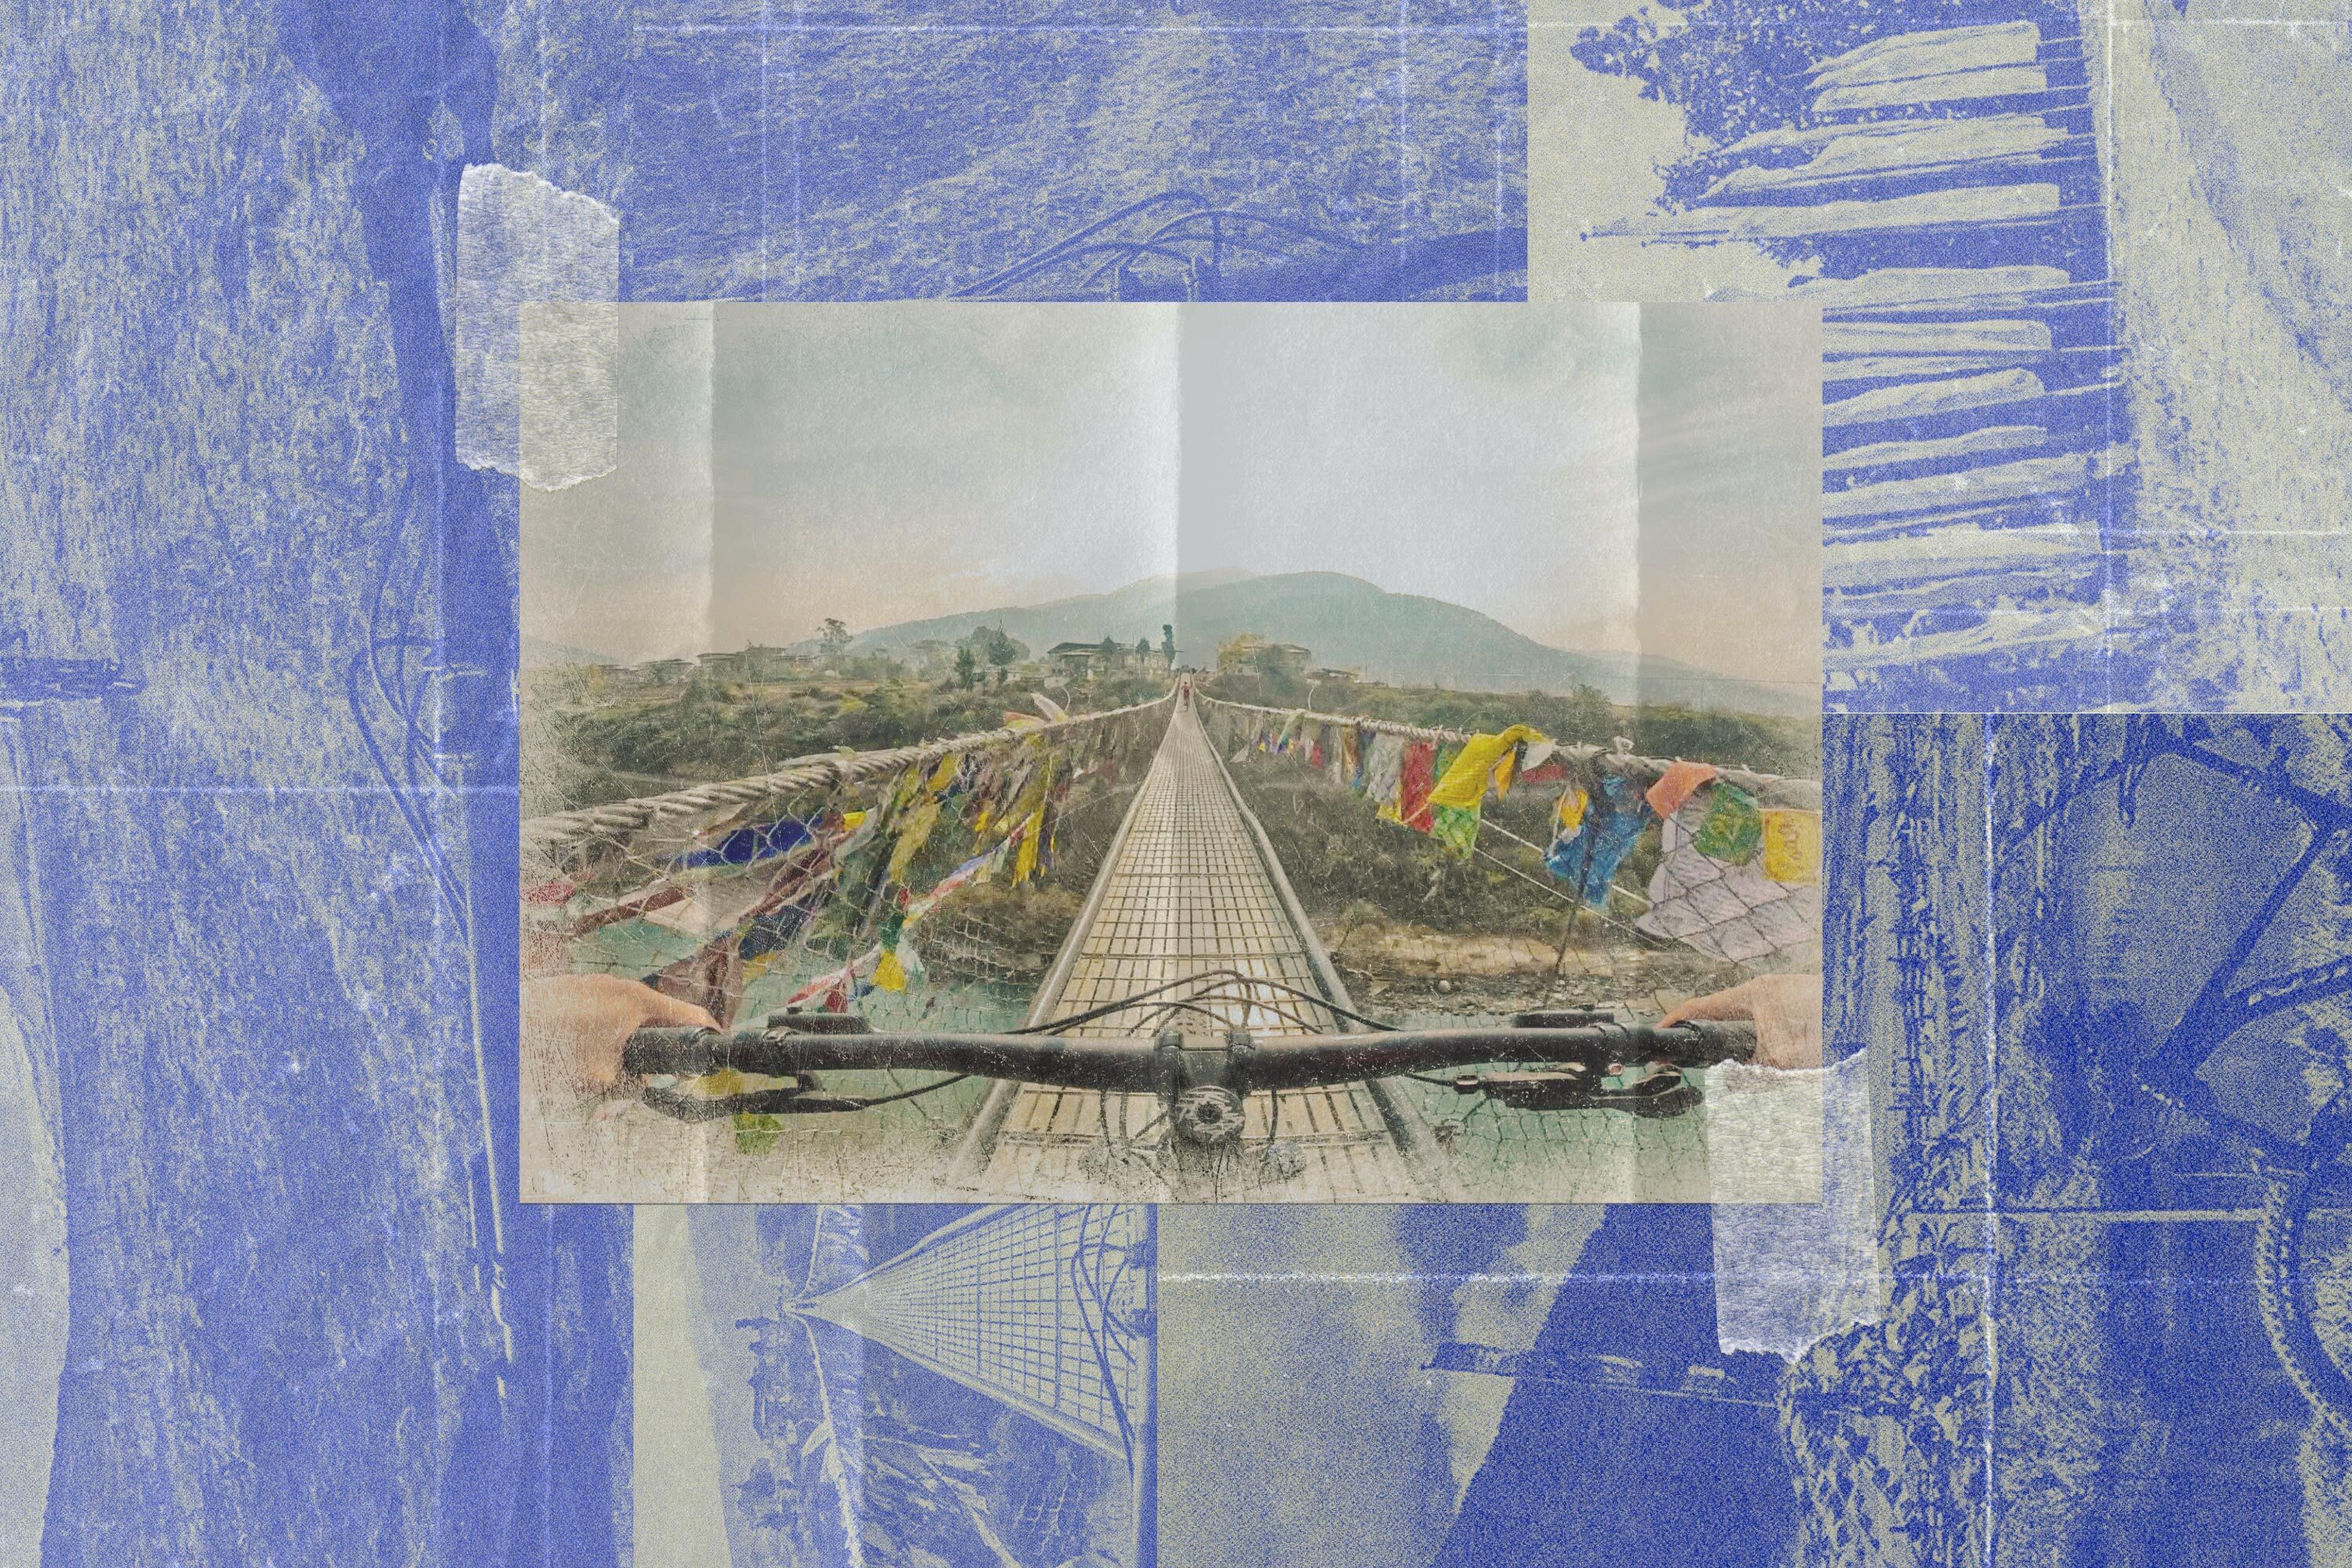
point(1606, 509)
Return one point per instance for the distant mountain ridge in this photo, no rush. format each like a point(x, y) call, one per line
point(539, 653)
point(1350, 624)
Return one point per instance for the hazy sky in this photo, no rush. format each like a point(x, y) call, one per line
point(1594, 475)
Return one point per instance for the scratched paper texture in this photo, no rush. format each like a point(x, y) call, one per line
point(2084, 281)
point(2105, 1045)
point(839, 696)
point(275, 1288)
point(268, 1283)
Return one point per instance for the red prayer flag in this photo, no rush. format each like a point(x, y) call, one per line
point(1414, 783)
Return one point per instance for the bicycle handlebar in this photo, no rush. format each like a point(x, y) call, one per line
point(1170, 1063)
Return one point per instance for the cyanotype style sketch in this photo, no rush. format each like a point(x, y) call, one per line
point(1103, 771)
point(2102, 1323)
point(260, 578)
point(309, 307)
point(2080, 268)
point(906, 1384)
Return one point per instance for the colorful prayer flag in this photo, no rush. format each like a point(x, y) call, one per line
point(1726, 910)
point(1024, 864)
point(1572, 802)
point(1455, 827)
point(973, 870)
point(912, 837)
point(1792, 844)
point(1383, 770)
point(747, 846)
point(1676, 785)
point(1475, 767)
point(1588, 855)
point(1732, 829)
point(1414, 784)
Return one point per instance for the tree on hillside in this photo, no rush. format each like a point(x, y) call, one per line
point(1168, 643)
point(1142, 652)
point(833, 636)
point(967, 667)
point(999, 651)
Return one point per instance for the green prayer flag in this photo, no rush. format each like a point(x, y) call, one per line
point(1734, 828)
point(1455, 827)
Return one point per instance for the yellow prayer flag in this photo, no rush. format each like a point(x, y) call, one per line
point(912, 837)
point(1465, 784)
point(910, 779)
point(1792, 844)
point(889, 974)
point(1025, 865)
point(1572, 802)
point(944, 775)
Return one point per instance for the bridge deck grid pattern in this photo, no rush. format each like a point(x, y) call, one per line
point(998, 1303)
point(1188, 891)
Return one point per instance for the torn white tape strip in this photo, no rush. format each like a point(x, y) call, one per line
point(1788, 1275)
point(538, 329)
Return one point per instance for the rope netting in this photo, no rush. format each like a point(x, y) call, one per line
point(928, 885)
point(1737, 852)
point(1533, 845)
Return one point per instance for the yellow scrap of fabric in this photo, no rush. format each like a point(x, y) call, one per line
point(1039, 783)
point(889, 974)
point(1572, 803)
point(944, 775)
point(910, 780)
point(1483, 759)
point(913, 837)
point(1025, 866)
point(1792, 844)
point(853, 820)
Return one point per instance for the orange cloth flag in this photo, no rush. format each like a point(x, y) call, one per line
point(1676, 784)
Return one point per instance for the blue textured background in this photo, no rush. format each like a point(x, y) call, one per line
point(270, 983)
point(308, 1322)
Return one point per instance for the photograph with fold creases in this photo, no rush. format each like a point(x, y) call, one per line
point(1182, 752)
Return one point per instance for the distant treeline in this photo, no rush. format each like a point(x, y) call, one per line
point(1767, 743)
point(713, 729)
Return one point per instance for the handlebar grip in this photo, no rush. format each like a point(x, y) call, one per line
point(1703, 1043)
point(682, 1052)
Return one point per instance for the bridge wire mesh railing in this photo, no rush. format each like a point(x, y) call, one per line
point(927, 886)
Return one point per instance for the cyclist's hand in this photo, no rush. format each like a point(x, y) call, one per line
point(1785, 1008)
point(574, 1025)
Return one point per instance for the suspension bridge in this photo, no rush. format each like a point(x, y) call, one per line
point(1189, 940)
point(1190, 885)
point(1048, 1310)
